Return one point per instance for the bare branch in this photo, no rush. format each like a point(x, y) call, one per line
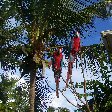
point(74, 91)
point(84, 84)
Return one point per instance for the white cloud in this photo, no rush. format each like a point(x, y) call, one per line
point(61, 102)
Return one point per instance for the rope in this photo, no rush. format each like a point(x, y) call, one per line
point(84, 84)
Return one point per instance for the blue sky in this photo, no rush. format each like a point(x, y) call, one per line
point(100, 25)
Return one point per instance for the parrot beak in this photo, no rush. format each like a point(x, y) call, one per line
point(60, 50)
point(77, 34)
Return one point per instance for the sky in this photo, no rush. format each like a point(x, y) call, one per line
point(95, 36)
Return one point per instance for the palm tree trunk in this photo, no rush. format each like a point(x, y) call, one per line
point(32, 90)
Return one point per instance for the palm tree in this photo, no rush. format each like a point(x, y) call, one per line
point(41, 21)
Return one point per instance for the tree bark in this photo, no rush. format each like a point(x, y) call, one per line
point(32, 90)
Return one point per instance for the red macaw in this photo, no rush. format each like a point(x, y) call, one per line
point(57, 59)
point(75, 47)
point(75, 44)
point(57, 67)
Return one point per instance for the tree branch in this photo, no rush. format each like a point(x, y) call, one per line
point(84, 85)
point(74, 91)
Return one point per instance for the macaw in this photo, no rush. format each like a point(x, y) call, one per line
point(75, 47)
point(57, 67)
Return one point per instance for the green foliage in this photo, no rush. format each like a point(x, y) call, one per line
point(51, 109)
point(13, 97)
point(99, 88)
point(63, 109)
point(38, 24)
point(40, 19)
point(59, 109)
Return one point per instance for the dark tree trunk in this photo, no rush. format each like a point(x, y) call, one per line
point(32, 90)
